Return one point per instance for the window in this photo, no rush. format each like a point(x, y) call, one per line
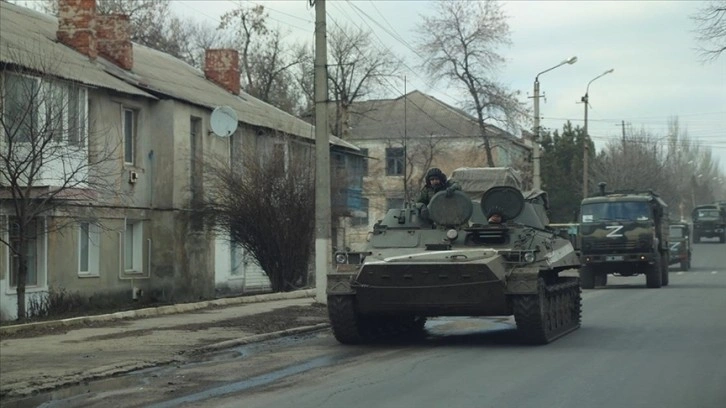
point(616, 211)
point(20, 107)
point(133, 246)
point(77, 115)
point(52, 108)
point(394, 161)
point(338, 161)
point(129, 129)
point(364, 164)
point(34, 252)
point(88, 249)
point(360, 217)
point(236, 259)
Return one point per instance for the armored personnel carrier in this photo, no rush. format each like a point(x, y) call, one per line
point(455, 263)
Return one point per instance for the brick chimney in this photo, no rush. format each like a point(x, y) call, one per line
point(76, 27)
point(221, 66)
point(113, 39)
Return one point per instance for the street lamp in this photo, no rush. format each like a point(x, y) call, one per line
point(537, 183)
point(586, 100)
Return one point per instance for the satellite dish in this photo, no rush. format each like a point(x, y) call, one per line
point(223, 121)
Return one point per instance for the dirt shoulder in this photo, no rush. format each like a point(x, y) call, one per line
point(47, 356)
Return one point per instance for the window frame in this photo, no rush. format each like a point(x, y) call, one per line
point(394, 162)
point(55, 98)
point(40, 256)
point(93, 249)
point(129, 141)
point(358, 218)
point(36, 111)
point(135, 245)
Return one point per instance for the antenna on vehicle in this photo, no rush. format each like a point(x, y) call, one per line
point(602, 185)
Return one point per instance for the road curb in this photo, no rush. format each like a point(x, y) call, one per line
point(159, 311)
point(258, 338)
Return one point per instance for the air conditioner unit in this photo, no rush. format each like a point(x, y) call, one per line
point(133, 176)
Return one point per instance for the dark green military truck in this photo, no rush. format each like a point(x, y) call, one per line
point(624, 233)
point(680, 245)
point(709, 221)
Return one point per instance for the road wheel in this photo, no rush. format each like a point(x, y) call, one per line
point(722, 238)
point(587, 277)
point(654, 275)
point(348, 326)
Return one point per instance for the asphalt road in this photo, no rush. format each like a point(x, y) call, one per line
point(637, 347)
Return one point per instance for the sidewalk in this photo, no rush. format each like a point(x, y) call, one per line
point(42, 356)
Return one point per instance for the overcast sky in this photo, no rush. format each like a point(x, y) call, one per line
point(649, 44)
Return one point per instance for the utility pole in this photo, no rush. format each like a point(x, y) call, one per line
point(536, 178)
point(623, 125)
point(405, 146)
point(585, 150)
point(323, 248)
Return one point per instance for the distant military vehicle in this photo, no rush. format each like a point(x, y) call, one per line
point(624, 233)
point(680, 245)
point(455, 263)
point(709, 221)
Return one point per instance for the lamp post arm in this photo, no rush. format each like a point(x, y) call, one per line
point(567, 61)
point(599, 76)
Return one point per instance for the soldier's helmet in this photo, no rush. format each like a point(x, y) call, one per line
point(435, 172)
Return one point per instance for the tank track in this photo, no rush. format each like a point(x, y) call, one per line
point(349, 327)
point(555, 311)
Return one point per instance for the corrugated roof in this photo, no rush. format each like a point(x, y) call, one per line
point(28, 39)
point(164, 74)
point(425, 115)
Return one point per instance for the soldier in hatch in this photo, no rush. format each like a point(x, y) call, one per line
point(436, 181)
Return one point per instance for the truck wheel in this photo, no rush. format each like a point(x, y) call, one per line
point(587, 277)
point(664, 269)
point(685, 265)
point(601, 279)
point(653, 274)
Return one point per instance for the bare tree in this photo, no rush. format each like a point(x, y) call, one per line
point(459, 43)
point(48, 161)
point(357, 70)
point(682, 172)
point(304, 75)
point(268, 209)
point(710, 30)
point(193, 38)
point(268, 63)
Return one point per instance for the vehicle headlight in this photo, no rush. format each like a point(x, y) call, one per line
point(529, 257)
point(341, 258)
point(452, 234)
